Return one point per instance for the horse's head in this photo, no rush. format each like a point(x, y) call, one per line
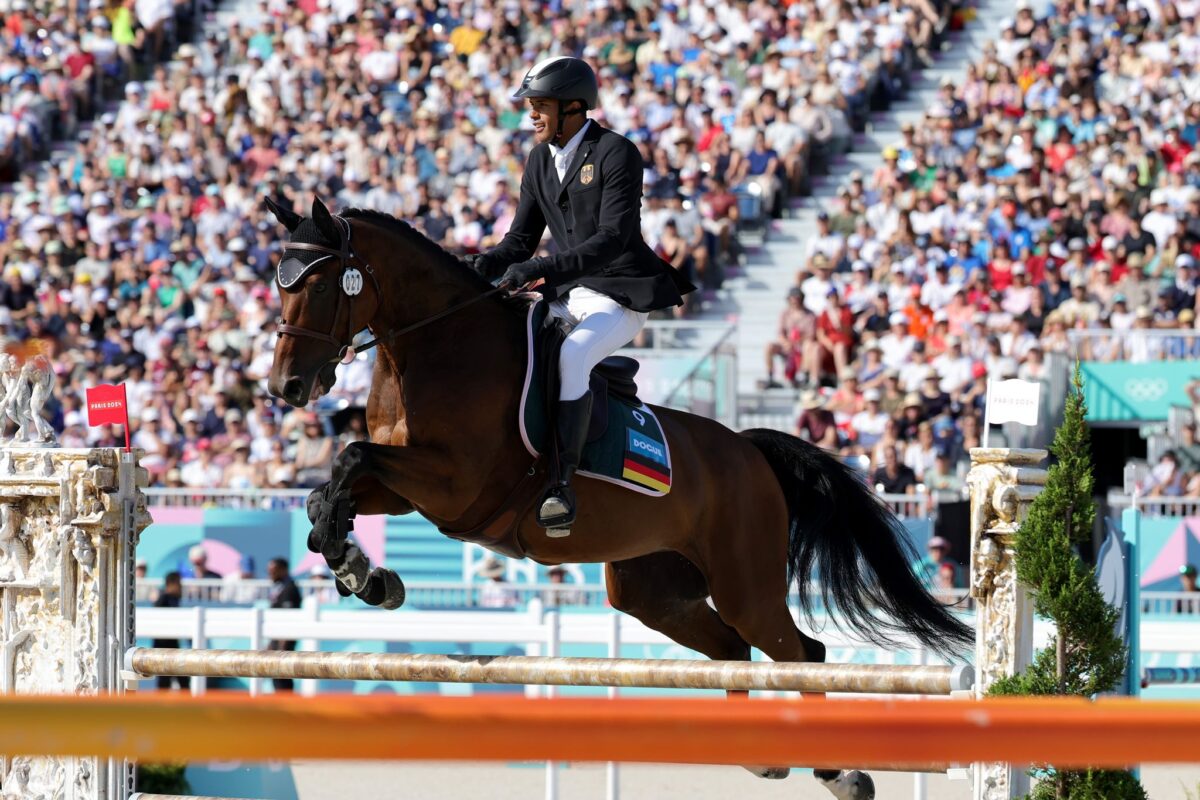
point(328, 293)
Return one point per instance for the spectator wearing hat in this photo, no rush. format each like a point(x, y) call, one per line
point(817, 286)
point(313, 457)
point(892, 401)
point(198, 564)
point(827, 243)
point(495, 593)
point(1079, 307)
point(558, 594)
point(912, 414)
point(816, 423)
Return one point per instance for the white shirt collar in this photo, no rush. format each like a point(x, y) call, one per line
point(571, 146)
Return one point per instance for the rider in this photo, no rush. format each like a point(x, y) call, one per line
point(584, 182)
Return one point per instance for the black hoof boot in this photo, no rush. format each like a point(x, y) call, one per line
point(384, 589)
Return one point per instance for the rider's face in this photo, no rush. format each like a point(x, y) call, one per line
point(544, 113)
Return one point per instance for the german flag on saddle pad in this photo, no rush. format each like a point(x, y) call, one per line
point(647, 462)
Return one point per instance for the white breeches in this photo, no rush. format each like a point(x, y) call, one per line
point(599, 327)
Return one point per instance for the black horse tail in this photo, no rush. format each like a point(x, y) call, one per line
point(858, 549)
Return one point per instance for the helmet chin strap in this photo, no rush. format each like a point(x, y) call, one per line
point(562, 117)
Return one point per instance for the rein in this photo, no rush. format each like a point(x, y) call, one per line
point(387, 337)
point(349, 288)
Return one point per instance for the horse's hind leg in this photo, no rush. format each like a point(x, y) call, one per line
point(667, 593)
point(749, 590)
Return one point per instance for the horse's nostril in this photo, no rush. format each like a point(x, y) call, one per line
point(293, 390)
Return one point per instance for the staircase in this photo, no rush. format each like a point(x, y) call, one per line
point(756, 297)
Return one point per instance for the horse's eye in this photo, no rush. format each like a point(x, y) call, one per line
point(320, 287)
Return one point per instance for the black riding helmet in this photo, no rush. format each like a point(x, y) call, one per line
point(565, 79)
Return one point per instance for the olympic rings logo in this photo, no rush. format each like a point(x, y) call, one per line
point(1146, 389)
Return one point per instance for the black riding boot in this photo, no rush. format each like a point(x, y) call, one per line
point(557, 510)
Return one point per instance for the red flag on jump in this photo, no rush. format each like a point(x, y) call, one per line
point(107, 405)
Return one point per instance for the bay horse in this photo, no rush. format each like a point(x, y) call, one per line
point(747, 514)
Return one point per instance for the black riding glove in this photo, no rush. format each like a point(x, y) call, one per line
point(472, 260)
point(523, 273)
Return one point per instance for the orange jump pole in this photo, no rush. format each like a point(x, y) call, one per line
point(1064, 731)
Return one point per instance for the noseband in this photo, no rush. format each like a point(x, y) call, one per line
point(351, 285)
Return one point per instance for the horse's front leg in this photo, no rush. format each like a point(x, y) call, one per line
point(358, 485)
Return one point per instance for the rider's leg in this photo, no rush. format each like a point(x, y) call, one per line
point(603, 327)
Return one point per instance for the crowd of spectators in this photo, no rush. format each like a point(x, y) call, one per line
point(62, 61)
point(1048, 202)
point(146, 254)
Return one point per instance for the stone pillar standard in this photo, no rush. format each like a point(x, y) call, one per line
point(1003, 483)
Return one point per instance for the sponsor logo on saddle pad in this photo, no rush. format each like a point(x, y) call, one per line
point(646, 462)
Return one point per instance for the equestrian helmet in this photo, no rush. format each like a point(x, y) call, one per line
point(562, 78)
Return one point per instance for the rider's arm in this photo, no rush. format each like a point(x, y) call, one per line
point(620, 219)
point(523, 235)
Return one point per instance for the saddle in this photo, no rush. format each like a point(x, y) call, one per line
point(613, 377)
point(626, 444)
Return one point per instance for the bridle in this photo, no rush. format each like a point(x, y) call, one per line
point(351, 285)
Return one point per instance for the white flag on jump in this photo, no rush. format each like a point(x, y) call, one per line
point(1013, 401)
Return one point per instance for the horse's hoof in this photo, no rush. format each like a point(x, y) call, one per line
point(384, 589)
point(847, 784)
point(770, 773)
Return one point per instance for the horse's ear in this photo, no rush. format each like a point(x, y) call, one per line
point(324, 222)
point(288, 218)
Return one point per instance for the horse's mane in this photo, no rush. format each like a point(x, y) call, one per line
point(427, 246)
